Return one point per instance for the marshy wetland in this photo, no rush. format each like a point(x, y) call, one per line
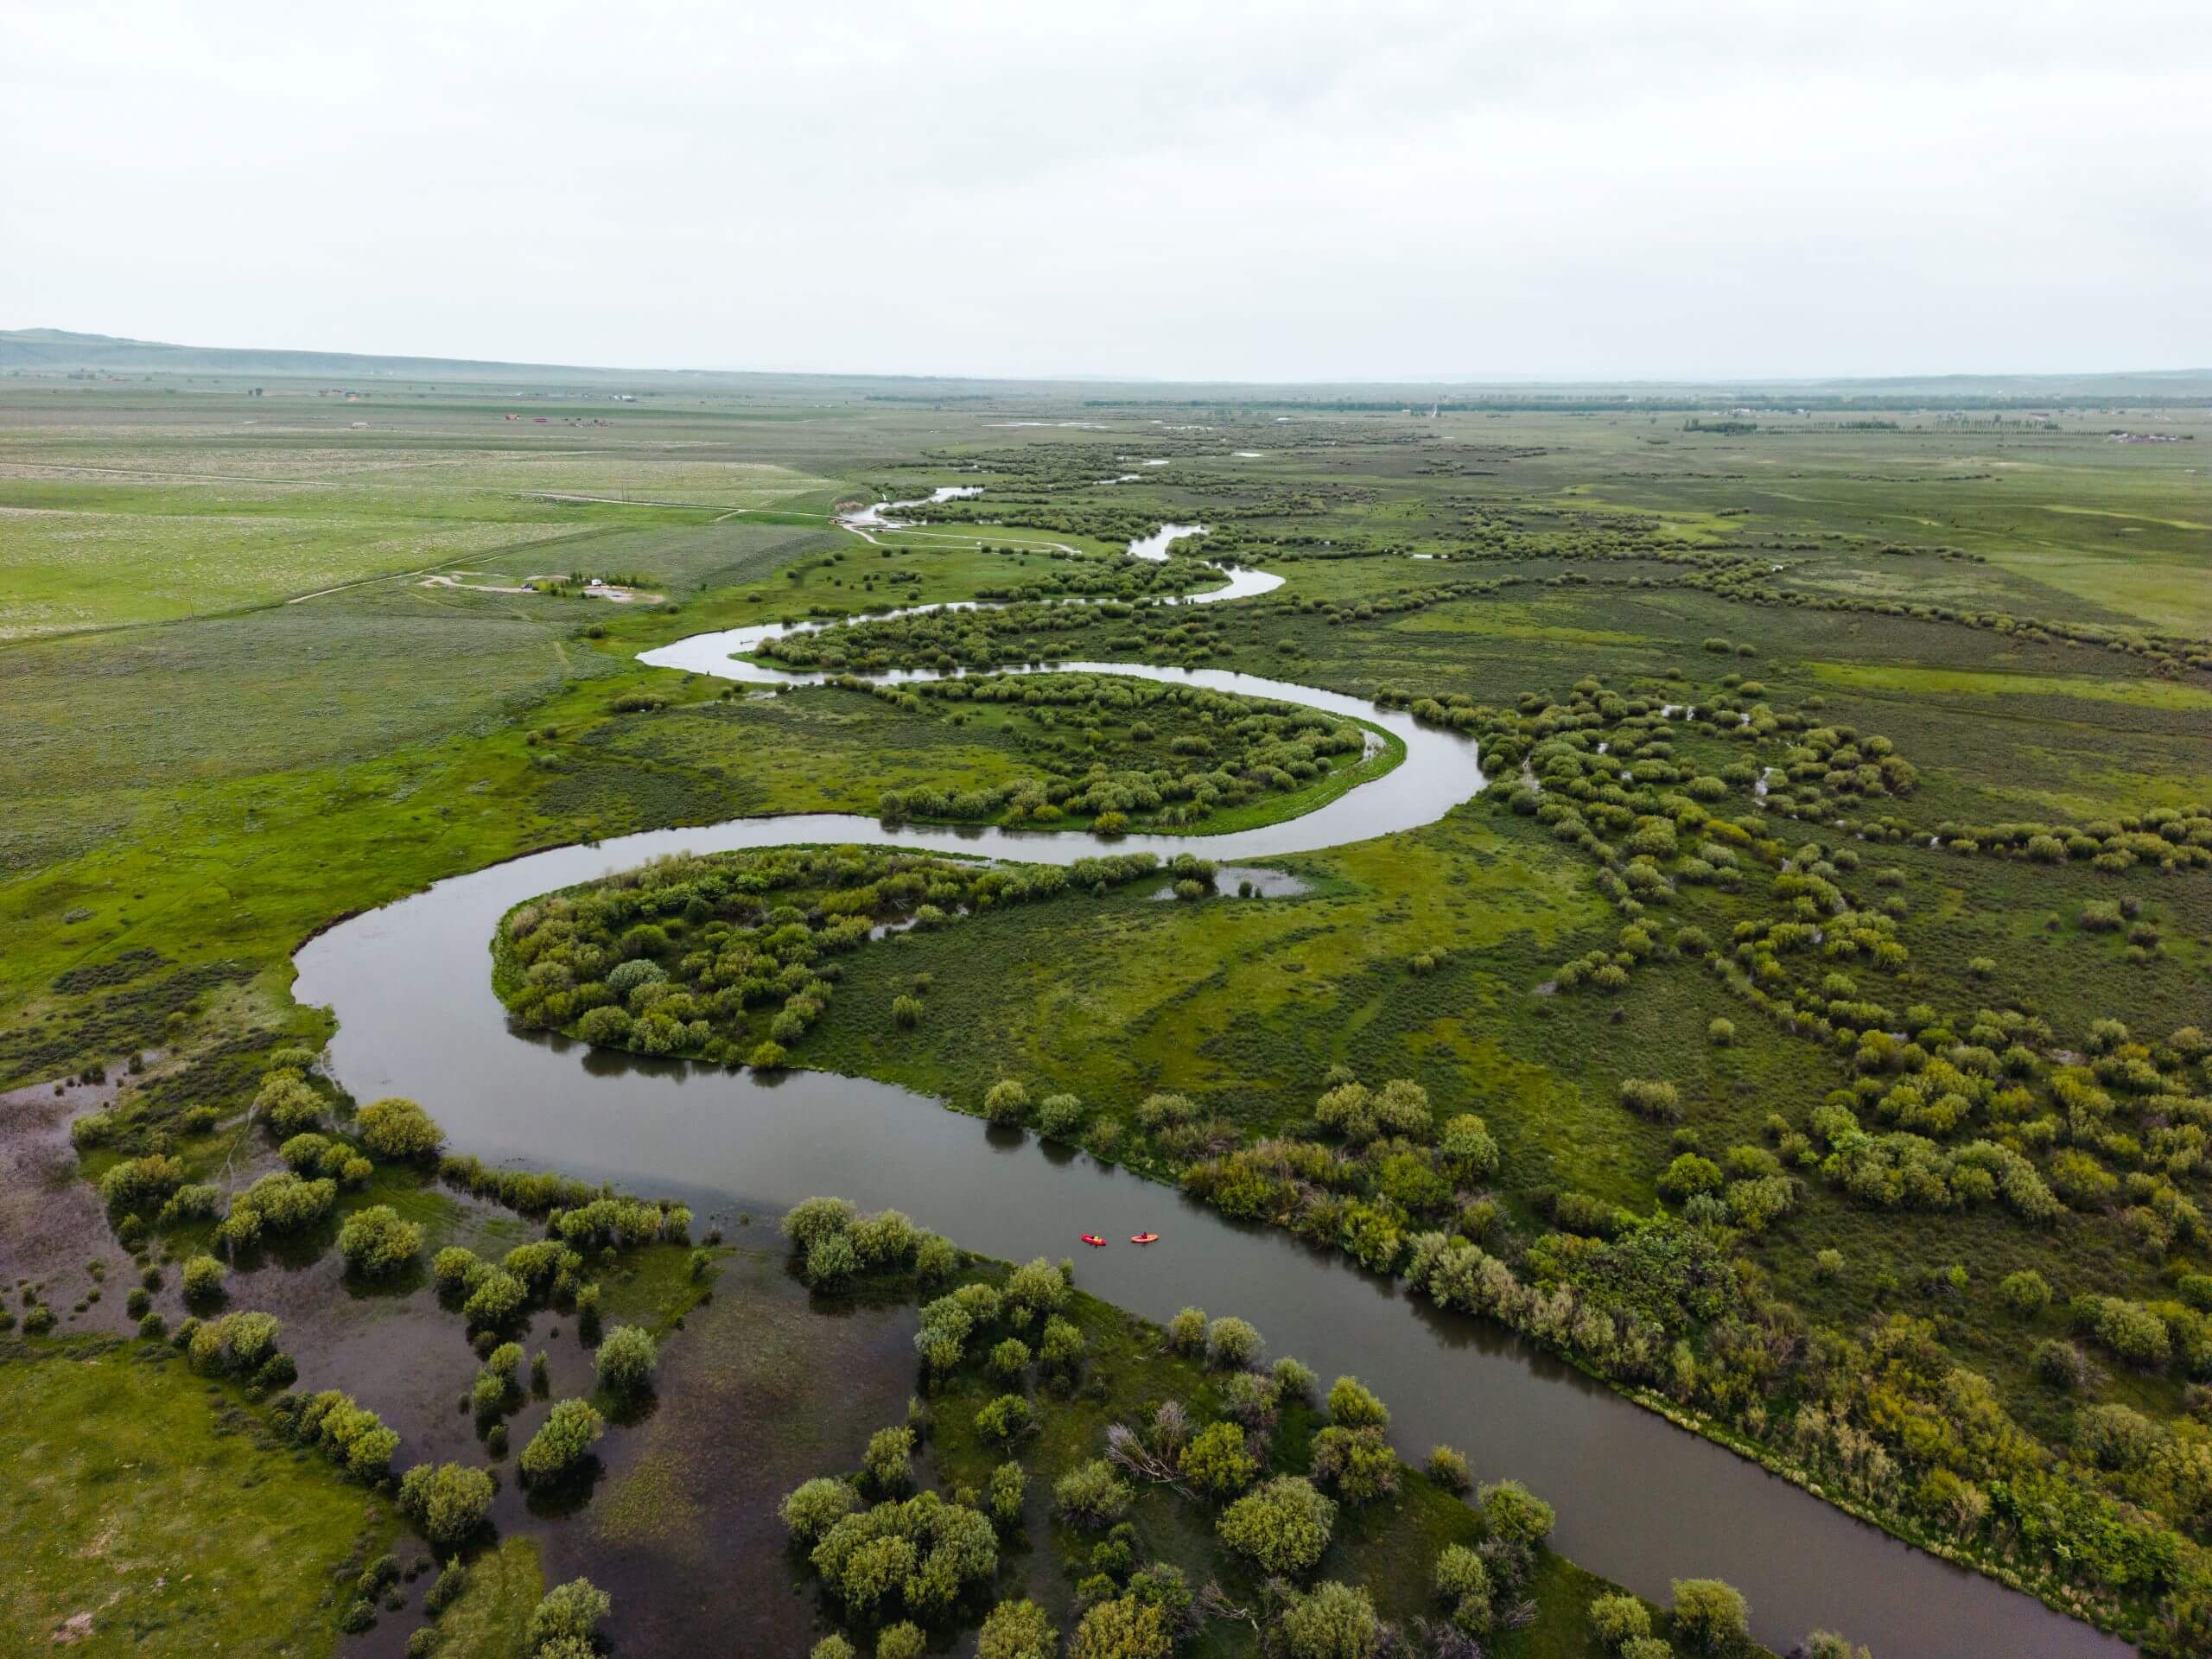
point(1678, 957)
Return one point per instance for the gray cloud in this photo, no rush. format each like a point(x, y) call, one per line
point(1269, 191)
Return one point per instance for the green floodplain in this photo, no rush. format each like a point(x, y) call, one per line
point(1804, 1032)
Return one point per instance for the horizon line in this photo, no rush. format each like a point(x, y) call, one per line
point(1518, 380)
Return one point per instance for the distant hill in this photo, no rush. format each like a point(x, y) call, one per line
point(59, 351)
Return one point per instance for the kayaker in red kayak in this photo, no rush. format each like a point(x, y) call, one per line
point(1094, 1241)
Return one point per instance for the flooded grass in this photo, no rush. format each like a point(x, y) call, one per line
point(763, 1389)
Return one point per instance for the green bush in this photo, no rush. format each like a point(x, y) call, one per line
point(1826, 1644)
point(237, 1345)
point(1356, 1463)
point(279, 1202)
point(1617, 1620)
point(397, 1130)
point(1037, 1287)
point(203, 1280)
point(496, 1299)
point(1516, 1515)
point(812, 1508)
point(1122, 1627)
point(1352, 1404)
point(1283, 1526)
point(1466, 1150)
point(1006, 1103)
point(1217, 1462)
point(1186, 1331)
point(194, 1201)
point(1448, 1469)
point(2024, 1294)
point(1688, 1176)
point(832, 1263)
point(1156, 1112)
point(1064, 1345)
point(1005, 1492)
point(1463, 1579)
point(446, 1588)
point(921, 1555)
point(569, 1613)
point(1058, 1116)
point(1234, 1343)
point(495, 1391)
point(888, 1464)
point(1660, 1102)
point(1334, 1621)
point(626, 1358)
point(1017, 1629)
point(1294, 1379)
point(377, 1243)
point(1091, 1495)
point(140, 1184)
point(811, 1220)
point(936, 1259)
point(562, 1441)
point(447, 1503)
point(349, 1433)
point(1710, 1617)
point(454, 1268)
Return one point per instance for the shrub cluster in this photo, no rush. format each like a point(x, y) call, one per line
point(732, 956)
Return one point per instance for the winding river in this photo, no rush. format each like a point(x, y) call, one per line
point(1639, 1500)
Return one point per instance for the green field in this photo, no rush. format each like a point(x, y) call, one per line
point(142, 1516)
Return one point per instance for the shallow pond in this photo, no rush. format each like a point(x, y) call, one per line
point(1154, 546)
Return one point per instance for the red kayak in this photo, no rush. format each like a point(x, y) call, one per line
point(1144, 1238)
point(1094, 1241)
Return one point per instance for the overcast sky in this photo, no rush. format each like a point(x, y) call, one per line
point(1278, 191)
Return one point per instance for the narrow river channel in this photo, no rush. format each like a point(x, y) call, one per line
point(1639, 1500)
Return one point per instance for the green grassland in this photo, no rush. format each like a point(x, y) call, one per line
point(1245, 1004)
point(201, 773)
point(204, 519)
point(155, 1512)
